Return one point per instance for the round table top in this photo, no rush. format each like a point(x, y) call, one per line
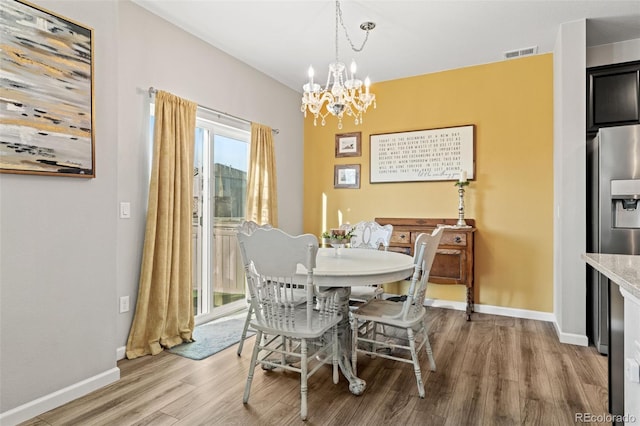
point(348, 267)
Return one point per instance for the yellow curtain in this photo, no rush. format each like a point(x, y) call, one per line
point(164, 309)
point(262, 198)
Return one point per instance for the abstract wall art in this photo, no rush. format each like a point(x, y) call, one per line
point(46, 95)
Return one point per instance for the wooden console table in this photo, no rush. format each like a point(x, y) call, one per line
point(453, 263)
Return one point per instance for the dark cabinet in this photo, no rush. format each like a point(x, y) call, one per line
point(613, 95)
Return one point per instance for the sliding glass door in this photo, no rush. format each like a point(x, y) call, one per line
point(221, 159)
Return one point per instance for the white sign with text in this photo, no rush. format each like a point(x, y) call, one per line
point(423, 155)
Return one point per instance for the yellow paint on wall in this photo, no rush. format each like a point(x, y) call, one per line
point(511, 105)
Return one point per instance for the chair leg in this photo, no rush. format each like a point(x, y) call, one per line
point(354, 346)
point(252, 366)
point(416, 362)
point(374, 333)
point(303, 379)
point(427, 346)
point(335, 355)
point(244, 330)
point(285, 348)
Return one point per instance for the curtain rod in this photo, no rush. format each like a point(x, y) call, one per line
point(153, 91)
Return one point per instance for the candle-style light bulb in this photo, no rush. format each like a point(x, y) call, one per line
point(367, 83)
point(353, 69)
point(310, 73)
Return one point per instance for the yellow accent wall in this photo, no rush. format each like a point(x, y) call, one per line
point(511, 105)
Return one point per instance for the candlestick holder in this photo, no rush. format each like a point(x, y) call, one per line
point(461, 222)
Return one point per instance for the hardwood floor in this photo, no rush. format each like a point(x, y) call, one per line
point(492, 370)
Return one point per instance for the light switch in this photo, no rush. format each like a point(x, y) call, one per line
point(124, 304)
point(125, 210)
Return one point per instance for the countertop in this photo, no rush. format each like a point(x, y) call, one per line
point(623, 269)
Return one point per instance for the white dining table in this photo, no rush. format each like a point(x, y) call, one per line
point(344, 268)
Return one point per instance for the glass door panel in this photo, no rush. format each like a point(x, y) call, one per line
point(230, 161)
point(220, 181)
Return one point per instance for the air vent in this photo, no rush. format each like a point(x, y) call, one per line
point(512, 54)
point(525, 51)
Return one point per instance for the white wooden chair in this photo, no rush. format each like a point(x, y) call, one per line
point(406, 317)
point(369, 235)
point(247, 227)
point(271, 260)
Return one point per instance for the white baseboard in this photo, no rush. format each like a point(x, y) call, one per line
point(446, 304)
point(121, 352)
point(494, 310)
point(58, 398)
point(571, 338)
point(568, 338)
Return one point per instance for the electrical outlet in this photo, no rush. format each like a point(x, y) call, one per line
point(632, 370)
point(124, 304)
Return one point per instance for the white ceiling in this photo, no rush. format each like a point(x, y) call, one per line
point(282, 38)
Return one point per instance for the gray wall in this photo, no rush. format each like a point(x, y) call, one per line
point(571, 58)
point(65, 256)
point(58, 257)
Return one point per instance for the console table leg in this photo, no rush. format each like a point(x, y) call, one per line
point(469, 302)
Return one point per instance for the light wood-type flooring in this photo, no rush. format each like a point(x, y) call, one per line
point(491, 370)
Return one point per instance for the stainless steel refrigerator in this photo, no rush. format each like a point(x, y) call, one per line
point(613, 222)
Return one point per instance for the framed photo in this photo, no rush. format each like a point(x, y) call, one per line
point(348, 145)
point(423, 155)
point(346, 176)
point(47, 102)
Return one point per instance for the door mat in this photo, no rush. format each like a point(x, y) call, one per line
point(211, 338)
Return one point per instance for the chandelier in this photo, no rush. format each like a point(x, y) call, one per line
point(343, 93)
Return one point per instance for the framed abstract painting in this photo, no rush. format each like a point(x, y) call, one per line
point(46, 101)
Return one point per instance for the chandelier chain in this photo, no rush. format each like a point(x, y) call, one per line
point(346, 33)
point(338, 11)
